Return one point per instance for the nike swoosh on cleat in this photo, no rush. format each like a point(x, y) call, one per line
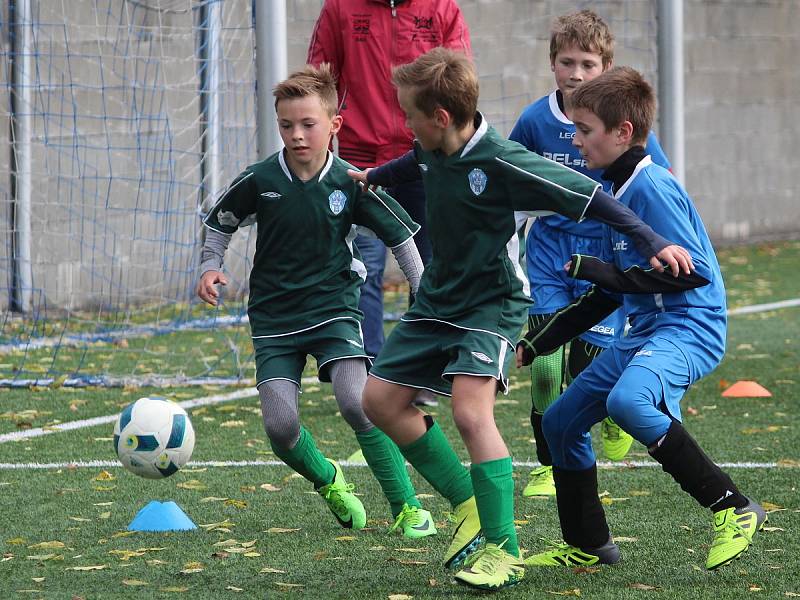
point(424, 527)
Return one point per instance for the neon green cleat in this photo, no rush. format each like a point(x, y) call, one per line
point(540, 483)
point(616, 442)
point(564, 555)
point(343, 503)
point(491, 568)
point(733, 533)
point(467, 536)
point(414, 522)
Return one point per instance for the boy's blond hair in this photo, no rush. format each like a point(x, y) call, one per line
point(310, 81)
point(585, 30)
point(442, 78)
point(620, 94)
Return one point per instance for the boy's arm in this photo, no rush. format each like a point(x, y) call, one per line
point(211, 258)
point(567, 324)
point(634, 280)
point(410, 262)
point(649, 244)
point(400, 170)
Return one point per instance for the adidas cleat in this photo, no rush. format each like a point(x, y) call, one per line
point(491, 568)
point(467, 536)
point(564, 555)
point(414, 522)
point(344, 504)
point(733, 533)
point(540, 483)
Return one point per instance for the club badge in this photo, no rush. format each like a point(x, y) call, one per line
point(336, 201)
point(477, 181)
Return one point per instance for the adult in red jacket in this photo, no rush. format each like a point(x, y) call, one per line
point(363, 40)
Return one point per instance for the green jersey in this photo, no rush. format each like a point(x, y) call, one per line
point(306, 271)
point(476, 200)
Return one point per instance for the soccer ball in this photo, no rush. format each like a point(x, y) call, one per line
point(153, 437)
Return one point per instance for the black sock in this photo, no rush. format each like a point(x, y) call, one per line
point(542, 449)
point(695, 472)
point(583, 521)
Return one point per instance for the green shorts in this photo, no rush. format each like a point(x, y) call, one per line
point(428, 354)
point(284, 357)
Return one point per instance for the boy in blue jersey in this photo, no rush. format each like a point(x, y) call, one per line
point(304, 290)
point(677, 335)
point(454, 339)
point(581, 48)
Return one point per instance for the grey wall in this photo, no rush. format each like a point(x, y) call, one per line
point(116, 225)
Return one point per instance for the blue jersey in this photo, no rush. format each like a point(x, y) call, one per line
point(545, 129)
point(696, 316)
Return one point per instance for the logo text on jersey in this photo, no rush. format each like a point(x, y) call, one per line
point(271, 195)
point(477, 181)
point(336, 201)
point(644, 353)
point(602, 329)
point(423, 167)
point(482, 357)
point(564, 158)
point(621, 246)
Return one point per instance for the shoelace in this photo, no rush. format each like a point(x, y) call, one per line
point(487, 558)
point(732, 523)
point(556, 546)
point(409, 514)
point(611, 431)
point(334, 495)
point(538, 473)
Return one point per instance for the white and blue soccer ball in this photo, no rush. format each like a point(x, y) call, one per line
point(153, 437)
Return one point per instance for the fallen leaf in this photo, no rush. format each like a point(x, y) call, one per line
point(191, 567)
point(773, 529)
point(45, 557)
point(89, 568)
point(104, 476)
point(585, 570)
point(281, 530)
point(271, 570)
point(235, 503)
point(572, 592)
point(400, 597)
point(269, 487)
point(770, 507)
point(134, 582)
point(288, 585)
point(625, 539)
point(233, 588)
point(212, 499)
point(46, 545)
point(643, 587)
point(37, 579)
point(415, 550)
point(192, 484)
point(17, 541)
point(754, 588)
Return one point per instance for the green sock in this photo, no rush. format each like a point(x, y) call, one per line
point(306, 459)
point(433, 458)
point(389, 468)
point(494, 495)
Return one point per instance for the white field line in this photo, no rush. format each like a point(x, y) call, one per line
point(757, 308)
point(109, 464)
point(39, 431)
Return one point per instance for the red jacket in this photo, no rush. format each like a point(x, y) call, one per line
point(363, 40)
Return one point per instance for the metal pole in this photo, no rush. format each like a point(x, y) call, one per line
point(21, 135)
point(211, 89)
point(670, 83)
point(271, 67)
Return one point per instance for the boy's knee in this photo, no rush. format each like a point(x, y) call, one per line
point(467, 422)
point(282, 433)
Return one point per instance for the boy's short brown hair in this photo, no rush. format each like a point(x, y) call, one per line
point(584, 29)
point(442, 78)
point(310, 81)
point(618, 95)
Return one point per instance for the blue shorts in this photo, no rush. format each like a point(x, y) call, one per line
point(547, 250)
point(640, 388)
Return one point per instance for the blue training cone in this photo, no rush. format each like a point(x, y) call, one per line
point(161, 516)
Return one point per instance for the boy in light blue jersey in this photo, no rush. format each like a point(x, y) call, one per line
point(677, 335)
point(581, 48)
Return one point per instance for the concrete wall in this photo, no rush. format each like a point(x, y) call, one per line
point(116, 192)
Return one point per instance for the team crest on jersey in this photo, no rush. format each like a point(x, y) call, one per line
point(336, 201)
point(270, 195)
point(477, 181)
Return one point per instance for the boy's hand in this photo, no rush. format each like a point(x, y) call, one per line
point(361, 177)
point(207, 286)
point(677, 258)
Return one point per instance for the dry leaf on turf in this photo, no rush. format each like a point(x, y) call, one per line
point(47, 545)
point(281, 530)
point(572, 592)
point(643, 587)
point(269, 487)
point(400, 597)
point(89, 568)
point(233, 588)
point(104, 476)
point(288, 585)
point(271, 570)
point(134, 582)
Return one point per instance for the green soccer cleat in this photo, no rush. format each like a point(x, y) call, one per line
point(616, 442)
point(491, 568)
point(344, 504)
point(733, 533)
point(540, 483)
point(414, 522)
point(467, 536)
point(564, 555)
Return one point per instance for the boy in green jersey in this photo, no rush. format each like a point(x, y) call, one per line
point(304, 288)
point(458, 337)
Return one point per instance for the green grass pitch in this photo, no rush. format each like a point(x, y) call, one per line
point(263, 533)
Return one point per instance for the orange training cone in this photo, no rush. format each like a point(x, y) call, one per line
point(746, 389)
